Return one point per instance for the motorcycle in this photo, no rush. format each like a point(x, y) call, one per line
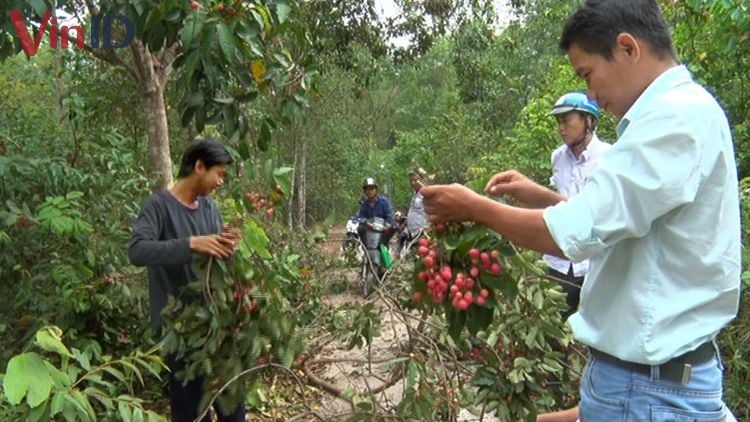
point(350, 246)
point(377, 258)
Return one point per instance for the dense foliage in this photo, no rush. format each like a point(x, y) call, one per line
point(311, 97)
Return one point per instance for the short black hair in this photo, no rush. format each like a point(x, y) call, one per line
point(595, 25)
point(208, 150)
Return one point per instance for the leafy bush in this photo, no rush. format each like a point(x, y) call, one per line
point(76, 384)
point(238, 314)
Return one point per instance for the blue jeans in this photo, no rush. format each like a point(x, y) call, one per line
point(611, 393)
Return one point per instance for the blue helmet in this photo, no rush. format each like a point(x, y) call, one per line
point(575, 101)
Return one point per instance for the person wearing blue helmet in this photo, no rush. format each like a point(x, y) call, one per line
point(572, 162)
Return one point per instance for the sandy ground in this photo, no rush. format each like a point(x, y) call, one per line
point(360, 376)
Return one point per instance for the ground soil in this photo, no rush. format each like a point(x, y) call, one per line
point(350, 374)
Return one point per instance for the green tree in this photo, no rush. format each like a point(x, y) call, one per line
point(225, 52)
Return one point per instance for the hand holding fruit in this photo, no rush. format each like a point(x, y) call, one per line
point(449, 203)
point(232, 233)
point(215, 245)
point(520, 187)
point(508, 183)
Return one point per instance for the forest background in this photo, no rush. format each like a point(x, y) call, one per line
point(312, 96)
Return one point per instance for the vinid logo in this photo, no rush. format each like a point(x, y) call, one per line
point(101, 28)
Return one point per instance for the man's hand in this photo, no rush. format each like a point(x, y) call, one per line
point(215, 245)
point(232, 233)
point(508, 183)
point(522, 188)
point(449, 203)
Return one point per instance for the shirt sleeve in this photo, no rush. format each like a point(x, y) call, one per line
point(555, 170)
point(652, 170)
point(145, 247)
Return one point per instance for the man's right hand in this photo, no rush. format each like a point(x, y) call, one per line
point(215, 245)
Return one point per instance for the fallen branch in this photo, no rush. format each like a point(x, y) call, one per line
point(245, 372)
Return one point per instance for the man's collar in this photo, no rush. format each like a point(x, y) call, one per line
point(670, 78)
point(586, 153)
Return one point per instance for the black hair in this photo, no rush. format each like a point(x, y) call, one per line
point(594, 27)
point(208, 150)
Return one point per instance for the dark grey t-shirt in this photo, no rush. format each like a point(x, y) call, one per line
point(160, 242)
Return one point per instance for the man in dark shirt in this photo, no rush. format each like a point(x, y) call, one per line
point(375, 206)
point(171, 226)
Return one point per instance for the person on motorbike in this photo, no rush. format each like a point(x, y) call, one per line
point(416, 217)
point(375, 206)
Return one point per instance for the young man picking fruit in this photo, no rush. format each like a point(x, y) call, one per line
point(172, 226)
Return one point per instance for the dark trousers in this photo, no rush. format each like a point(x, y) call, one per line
point(184, 399)
point(571, 285)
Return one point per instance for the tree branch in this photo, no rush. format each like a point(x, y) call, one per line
point(109, 56)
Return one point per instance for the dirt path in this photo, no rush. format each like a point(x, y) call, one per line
point(354, 370)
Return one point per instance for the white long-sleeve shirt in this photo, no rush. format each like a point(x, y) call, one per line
point(660, 220)
point(568, 176)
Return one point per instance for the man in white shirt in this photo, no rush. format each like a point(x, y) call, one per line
point(572, 162)
point(659, 218)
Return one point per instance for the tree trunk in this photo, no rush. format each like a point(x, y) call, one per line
point(290, 206)
point(301, 194)
point(151, 82)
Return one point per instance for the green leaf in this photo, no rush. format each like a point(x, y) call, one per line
point(137, 414)
point(244, 151)
point(193, 99)
point(193, 27)
point(81, 403)
point(173, 15)
point(125, 411)
point(39, 413)
point(282, 10)
point(478, 318)
point(154, 17)
point(412, 376)
point(27, 375)
point(49, 339)
point(457, 320)
point(504, 283)
point(5, 240)
point(59, 378)
point(74, 195)
point(115, 373)
point(484, 378)
point(265, 133)
point(290, 110)
point(134, 369)
point(261, 15)
point(254, 239)
point(101, 396)
point(39, 6)
point(224, 100)
point(226, 41)
point(57, 404)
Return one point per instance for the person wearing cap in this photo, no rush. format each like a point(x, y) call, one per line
point(374, 206)
point(572, 163)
